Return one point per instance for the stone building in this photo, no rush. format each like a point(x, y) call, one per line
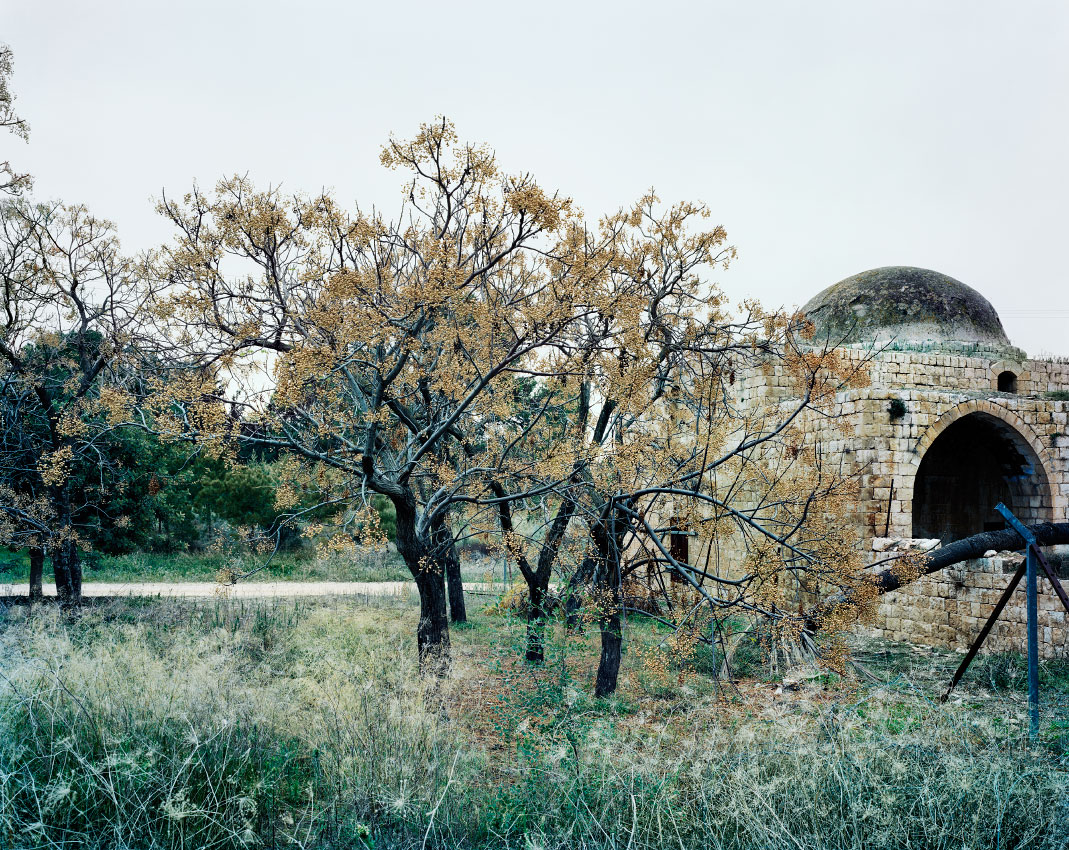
point(955, 420)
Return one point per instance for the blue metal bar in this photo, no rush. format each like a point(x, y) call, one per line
point(1016, 524)
point(986, 630)
point(1033, 617)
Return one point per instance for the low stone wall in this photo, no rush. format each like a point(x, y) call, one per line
point(948, 609)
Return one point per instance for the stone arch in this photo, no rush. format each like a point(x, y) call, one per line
point(973, 456)
point(992, 409)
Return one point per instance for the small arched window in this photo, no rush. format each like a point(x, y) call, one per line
point(1007, 382)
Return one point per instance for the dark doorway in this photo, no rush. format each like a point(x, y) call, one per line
point(973, 465)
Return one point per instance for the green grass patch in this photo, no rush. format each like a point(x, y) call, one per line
point(188, 567)
point(300, 565)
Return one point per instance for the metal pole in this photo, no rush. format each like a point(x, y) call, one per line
point(890, 499)
point(1033, 645)
point(1057, 585)
point(975, 648)
point(1032, 604)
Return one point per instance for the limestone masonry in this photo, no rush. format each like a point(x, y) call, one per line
point(955, 420)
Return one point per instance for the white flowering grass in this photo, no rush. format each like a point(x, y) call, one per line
point(241, 724)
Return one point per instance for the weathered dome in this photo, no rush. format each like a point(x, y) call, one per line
point(907, 307)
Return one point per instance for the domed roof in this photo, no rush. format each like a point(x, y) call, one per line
point(905, 305)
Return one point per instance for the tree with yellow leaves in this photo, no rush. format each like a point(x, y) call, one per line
point(661, 443)
point(744, 481)
point(375, 352)
point(485, 352)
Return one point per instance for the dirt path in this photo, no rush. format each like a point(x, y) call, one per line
point(244, 590)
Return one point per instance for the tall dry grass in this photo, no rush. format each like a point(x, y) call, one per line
point(236, 724)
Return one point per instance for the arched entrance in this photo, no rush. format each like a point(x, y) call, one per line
point(976, 462)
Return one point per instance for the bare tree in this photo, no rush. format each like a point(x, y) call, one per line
point(11, 182)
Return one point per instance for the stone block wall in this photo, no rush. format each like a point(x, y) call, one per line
point(938, 389)
point(977, 372)
point(891, 450)
point(949, 608)
point(1046, 376)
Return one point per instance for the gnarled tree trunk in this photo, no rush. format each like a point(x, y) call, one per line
point(612, 653)
point(67, 567)
point(446, 553)
point(428, 572)
point(537, 578)
point(538, 582)
point(607, 582)
point(611, 626)
point(536, 621)
point(432, 634)
point(37, 570)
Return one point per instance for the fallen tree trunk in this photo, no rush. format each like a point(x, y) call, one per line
point(1047, 534)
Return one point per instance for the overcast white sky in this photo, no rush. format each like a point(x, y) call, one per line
point(827, 137)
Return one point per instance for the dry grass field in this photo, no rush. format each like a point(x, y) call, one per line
point(303, 723)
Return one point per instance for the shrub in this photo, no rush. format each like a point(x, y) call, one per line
point(897, 408)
